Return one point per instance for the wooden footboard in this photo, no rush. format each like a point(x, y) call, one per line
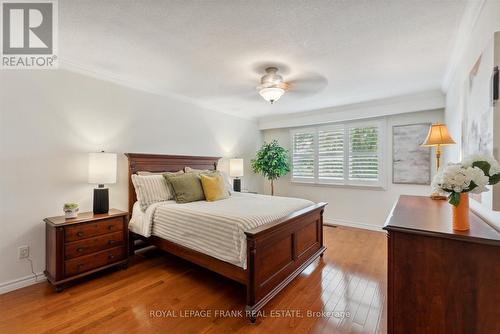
point(278, 252)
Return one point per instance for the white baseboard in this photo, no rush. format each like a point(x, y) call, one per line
point(342, 222)
point(21, 282)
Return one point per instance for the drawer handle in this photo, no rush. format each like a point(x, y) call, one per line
point(110, 242)
point(111, 257)
point(79, 267)
point(80, 249)
point(79, 234)
point(110, 227)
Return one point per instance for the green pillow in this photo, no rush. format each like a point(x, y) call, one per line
point(169, 186)
point(187, 187)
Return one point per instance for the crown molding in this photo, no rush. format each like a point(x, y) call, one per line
point(467, 23)
point(428, 100)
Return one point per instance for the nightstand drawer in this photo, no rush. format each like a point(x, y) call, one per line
point(88, 262)
point(92, 245)
point(87, 230)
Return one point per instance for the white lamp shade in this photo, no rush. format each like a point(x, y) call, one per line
point(102, 168)
point(271, 94)
point(236, 167)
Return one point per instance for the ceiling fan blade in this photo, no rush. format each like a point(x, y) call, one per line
point(310, 83)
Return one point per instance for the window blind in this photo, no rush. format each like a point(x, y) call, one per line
point(303, 155)
point(343, 153)
point(363, 153)
point(331, 154)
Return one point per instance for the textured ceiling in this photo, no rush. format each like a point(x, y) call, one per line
point(210, 52)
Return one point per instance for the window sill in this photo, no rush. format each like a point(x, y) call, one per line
point(339, 185)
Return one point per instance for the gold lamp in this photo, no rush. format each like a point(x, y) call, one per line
point(438, 135)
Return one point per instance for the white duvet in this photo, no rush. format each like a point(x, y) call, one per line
point(213, 228)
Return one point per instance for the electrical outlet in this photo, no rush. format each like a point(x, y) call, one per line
point(23, 252)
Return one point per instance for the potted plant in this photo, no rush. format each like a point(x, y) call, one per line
point(471, 175)
point(70, 210)
point(271, 161)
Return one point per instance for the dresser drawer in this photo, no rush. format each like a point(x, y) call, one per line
point(87, 230)
point(91, 245)
point(88, 262)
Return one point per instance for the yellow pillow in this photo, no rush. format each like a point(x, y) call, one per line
point(213, 187)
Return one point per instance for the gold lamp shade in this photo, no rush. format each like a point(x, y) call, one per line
point(438, 135)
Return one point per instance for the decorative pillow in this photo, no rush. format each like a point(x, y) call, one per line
point(213, 186)
point(169, 186)
point(227, 181)
point(194, 170)
point(150, 189)
point(144, 173)
point(187, 187)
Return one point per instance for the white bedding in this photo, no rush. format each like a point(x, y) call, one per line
point(213, 228)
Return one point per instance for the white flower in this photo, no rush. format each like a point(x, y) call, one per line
point(458, 178)
point(495, 166)
point(477, 176)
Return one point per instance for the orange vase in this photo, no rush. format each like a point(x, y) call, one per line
point(461, 213)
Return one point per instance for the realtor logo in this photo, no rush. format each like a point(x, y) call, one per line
point(28, 34)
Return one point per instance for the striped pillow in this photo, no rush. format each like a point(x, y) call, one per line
point(150, 189)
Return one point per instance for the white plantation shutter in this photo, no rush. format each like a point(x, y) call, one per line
point(331, 154)
point(344, 154)
point(303, 155)
point(363, 153)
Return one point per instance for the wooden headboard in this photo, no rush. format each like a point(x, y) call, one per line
point(162, 163)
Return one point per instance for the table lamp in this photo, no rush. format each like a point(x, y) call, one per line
point(102, 170)
point(236, 171)
point(438, 135)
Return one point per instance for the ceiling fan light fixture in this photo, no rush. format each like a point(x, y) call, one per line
point(271, 94)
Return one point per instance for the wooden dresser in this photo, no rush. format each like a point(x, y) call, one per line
point(81, 246)
point(441, 280)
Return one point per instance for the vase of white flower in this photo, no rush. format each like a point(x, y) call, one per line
point(460, 213)
point(474, 174)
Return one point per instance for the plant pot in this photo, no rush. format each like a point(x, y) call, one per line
point(461, 214)
point(70, 213)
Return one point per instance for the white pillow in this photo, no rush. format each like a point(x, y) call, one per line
point(145, 173)
point(227, 181)
point(150, 189)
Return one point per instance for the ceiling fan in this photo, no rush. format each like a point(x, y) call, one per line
point(272, 86)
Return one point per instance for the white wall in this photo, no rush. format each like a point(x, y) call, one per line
point(356, 206)
point(474, 39)
point(49, 120)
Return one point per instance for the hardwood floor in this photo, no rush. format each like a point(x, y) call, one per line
point(157, 292)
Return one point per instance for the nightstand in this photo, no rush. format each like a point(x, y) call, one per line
point(81, 246)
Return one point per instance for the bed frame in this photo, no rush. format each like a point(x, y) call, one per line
point(276, 252)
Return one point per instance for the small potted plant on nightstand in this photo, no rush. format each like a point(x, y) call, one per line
point(70, 210)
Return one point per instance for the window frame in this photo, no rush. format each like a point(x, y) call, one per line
point(381, 183)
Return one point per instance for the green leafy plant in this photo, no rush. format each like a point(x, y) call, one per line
point(272, 162)
point(70, 206)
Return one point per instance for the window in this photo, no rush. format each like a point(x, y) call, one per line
point(344, 154)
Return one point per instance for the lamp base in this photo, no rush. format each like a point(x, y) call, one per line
point(101, 200)
point(237, 185)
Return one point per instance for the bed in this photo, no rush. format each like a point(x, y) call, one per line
point(266, 250)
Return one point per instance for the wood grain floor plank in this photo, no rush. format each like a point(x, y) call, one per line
point(351, 277)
